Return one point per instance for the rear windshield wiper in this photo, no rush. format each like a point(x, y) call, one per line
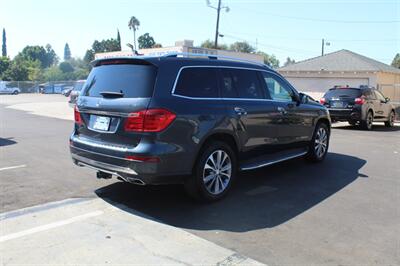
point(112, 94)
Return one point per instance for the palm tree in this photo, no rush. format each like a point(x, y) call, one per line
point(134, 25)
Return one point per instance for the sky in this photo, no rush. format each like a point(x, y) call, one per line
point(281, 27)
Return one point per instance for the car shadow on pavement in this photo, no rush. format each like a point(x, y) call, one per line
point(7, 142)
point(263, 198)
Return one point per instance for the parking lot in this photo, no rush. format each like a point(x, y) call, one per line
point(344, 211)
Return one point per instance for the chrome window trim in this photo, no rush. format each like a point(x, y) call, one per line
point(221, 98)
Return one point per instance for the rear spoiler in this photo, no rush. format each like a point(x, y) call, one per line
point(121, 61)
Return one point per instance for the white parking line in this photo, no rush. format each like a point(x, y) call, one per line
point(49, 226)
point(13, 167)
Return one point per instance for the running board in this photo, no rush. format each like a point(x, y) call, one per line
point(273, 158)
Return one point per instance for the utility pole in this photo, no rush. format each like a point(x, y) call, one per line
point(219, 8)
point(323, 46)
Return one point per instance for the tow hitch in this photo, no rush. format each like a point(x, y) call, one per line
point(103, 175)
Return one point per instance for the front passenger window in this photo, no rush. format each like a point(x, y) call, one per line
point(276, 89)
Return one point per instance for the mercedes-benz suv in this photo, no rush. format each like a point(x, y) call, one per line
point(194, 121)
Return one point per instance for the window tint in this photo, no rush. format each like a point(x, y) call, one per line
point(134, 81)
point(198, 82)
point(276, 88)
point(343, 93)
point(228, 89)
point(240, 83)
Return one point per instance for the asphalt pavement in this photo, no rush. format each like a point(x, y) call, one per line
point(344, 211)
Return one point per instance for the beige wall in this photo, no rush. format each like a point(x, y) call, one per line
point(389, 84)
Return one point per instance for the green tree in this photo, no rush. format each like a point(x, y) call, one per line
point(109, 45)
point(53, 74)
point(210, 45)
point(4, 45)
point(269, 60)
point(396, 61)
point(47, 57)
point(119, 40)
point(66, 67)
point(67, 52)
point(16, 71)
point(243, 47)
point(146, 41)
point(4, 65)
point(133, 25)
point(89, 56)
point(289, 61)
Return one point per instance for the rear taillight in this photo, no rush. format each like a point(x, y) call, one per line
point(360, 101)
point(152, 120)
point(322, 101)
point(77, 116)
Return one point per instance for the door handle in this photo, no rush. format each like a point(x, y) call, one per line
point(240, 111)
point(282, 110)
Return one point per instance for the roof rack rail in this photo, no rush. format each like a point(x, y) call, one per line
point(214, 56)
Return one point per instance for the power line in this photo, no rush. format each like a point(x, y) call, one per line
point(313, 39)
point(326, 20)
point(280, 48)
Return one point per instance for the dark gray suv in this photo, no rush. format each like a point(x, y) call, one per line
point(194, 121)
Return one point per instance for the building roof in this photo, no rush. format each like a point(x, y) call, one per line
point(342, 60)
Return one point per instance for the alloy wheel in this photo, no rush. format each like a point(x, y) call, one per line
point(217, 172)
point(369, 120)
point(321, 142)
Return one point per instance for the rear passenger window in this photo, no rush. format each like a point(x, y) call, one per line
point(197, 82)
point(240, 83)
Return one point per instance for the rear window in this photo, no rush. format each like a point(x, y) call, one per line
point(198, 82)
point(346, 93)
point(134, 81)
point(239, 83)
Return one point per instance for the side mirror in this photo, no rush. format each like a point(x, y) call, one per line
point(387, 99)
point(303, 98)
point(297, 98)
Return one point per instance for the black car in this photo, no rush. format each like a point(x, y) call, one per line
point(194, 121)
point(362, 106)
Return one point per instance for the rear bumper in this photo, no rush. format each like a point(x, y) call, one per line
point(112, 160)
point(344, 114)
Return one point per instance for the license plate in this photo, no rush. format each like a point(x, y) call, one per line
point(101, 123)
point(337, 104)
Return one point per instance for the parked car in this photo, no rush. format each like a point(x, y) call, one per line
point(8, 90)
point(73, 95)
point(67, 90)
point(194, 121)
point(361, 106)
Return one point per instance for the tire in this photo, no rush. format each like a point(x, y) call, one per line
point(390, 122)
point(367, 123)
point(209, 182)
point(318, 148)
point(15, 93)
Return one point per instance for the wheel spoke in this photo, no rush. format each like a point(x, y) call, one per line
point(216, 185)
point(226, 167)
point(217, 172)
point(209, 178)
